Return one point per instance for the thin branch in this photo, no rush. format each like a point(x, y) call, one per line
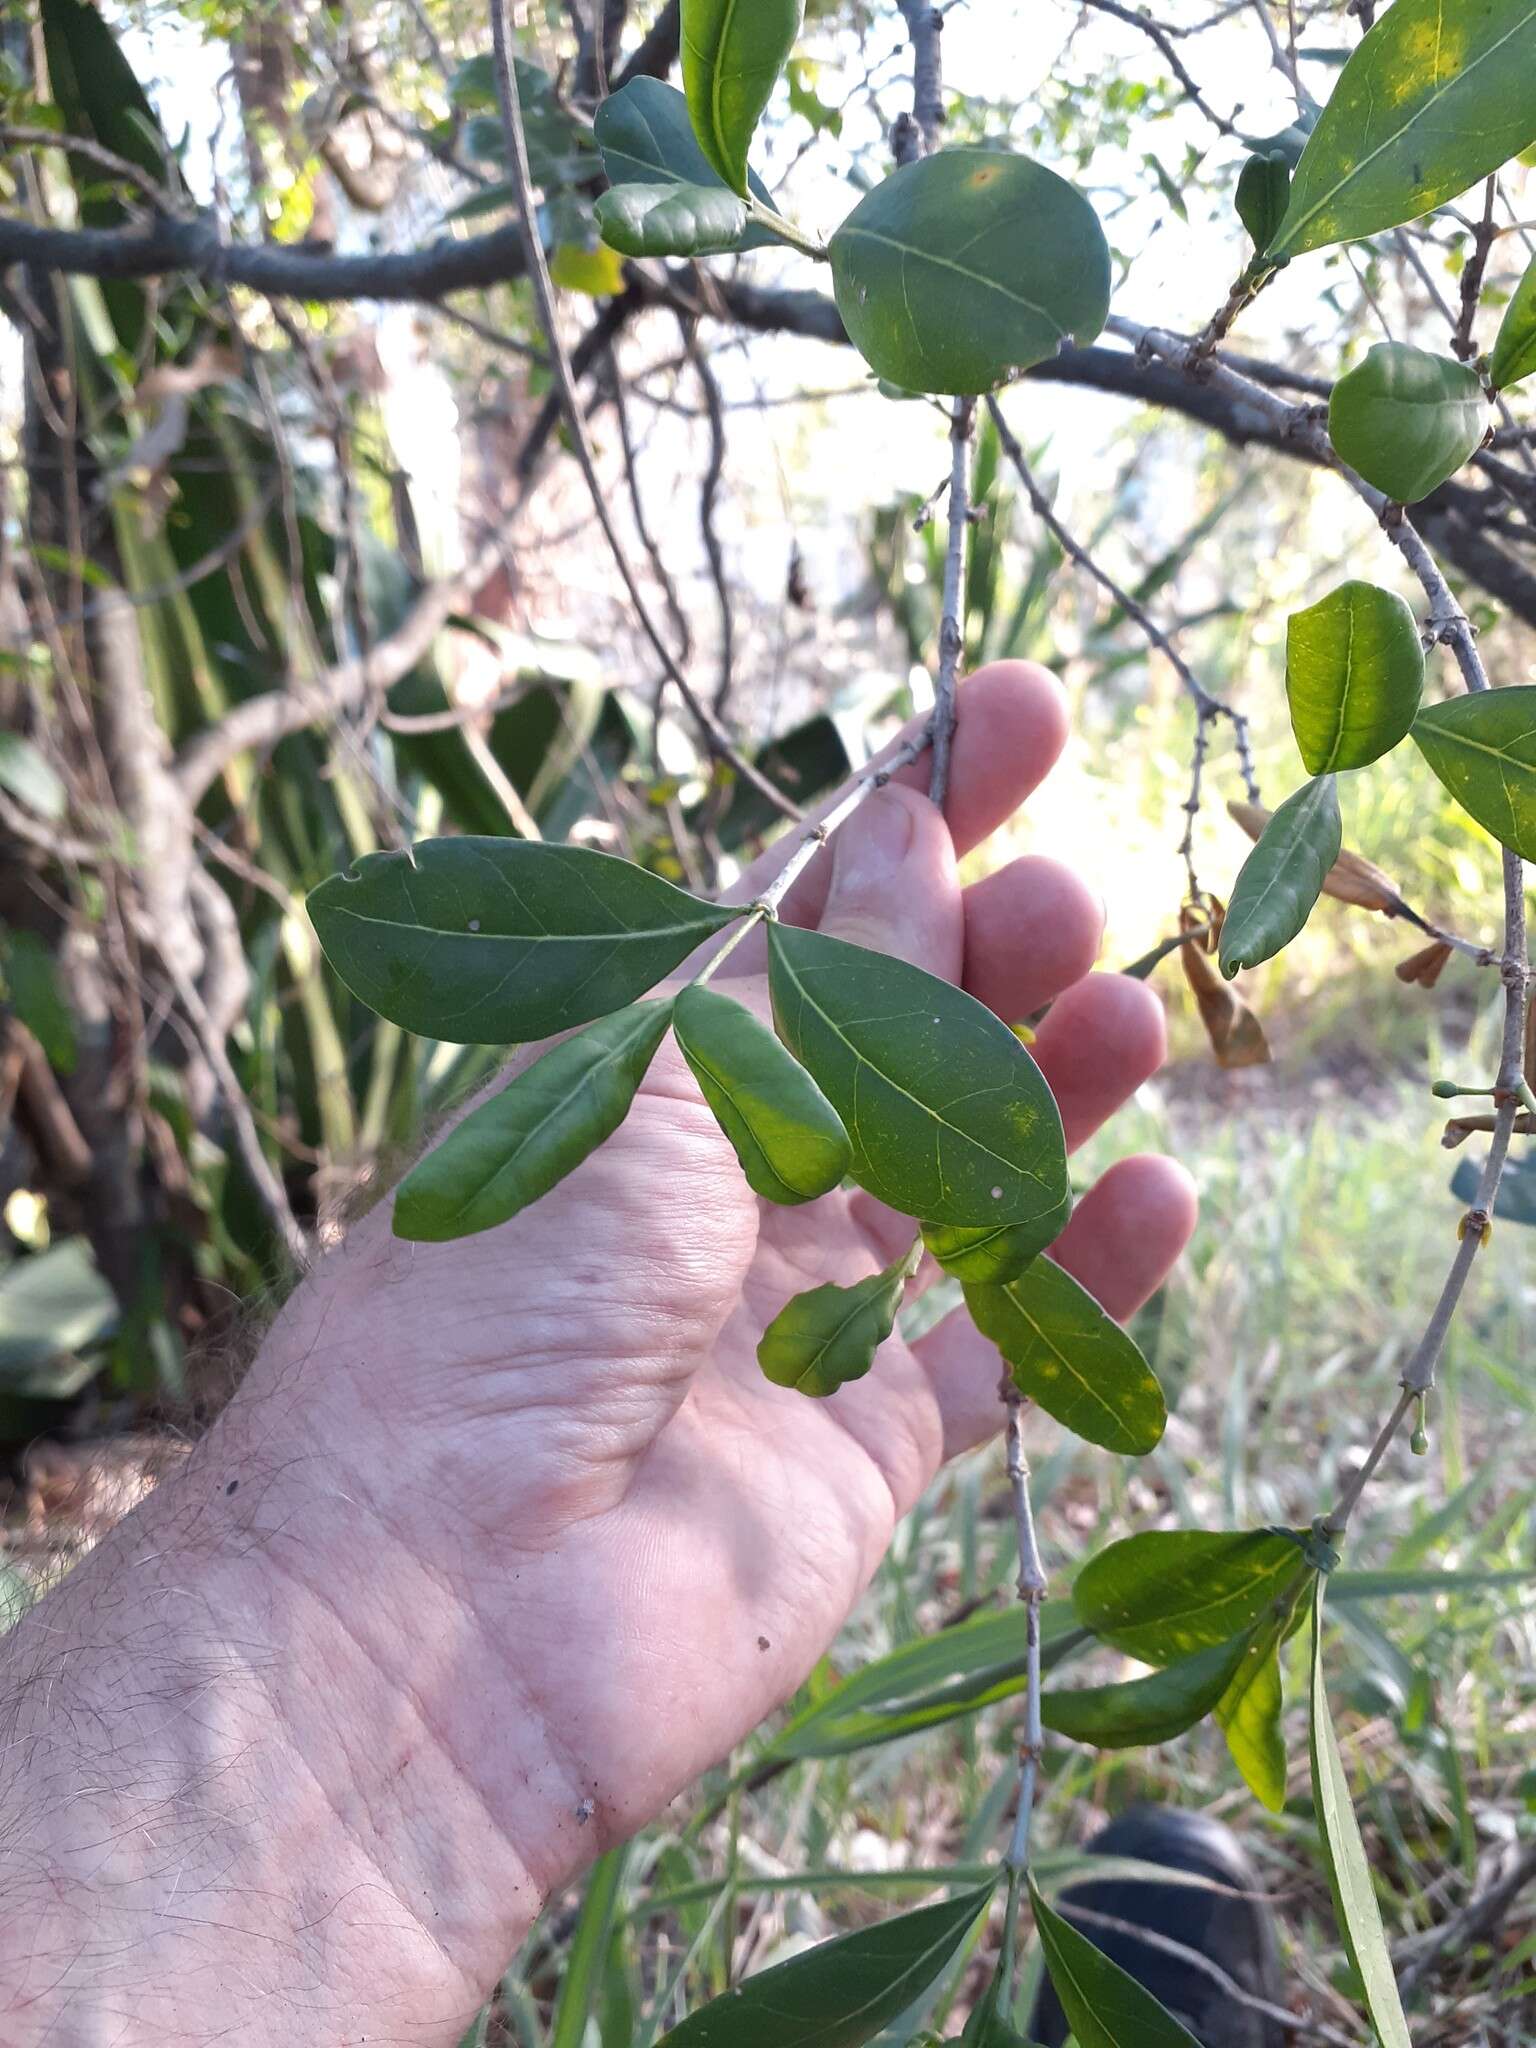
point(925, 30)
point(952, 619)
point(1159, 35)
point(1484, 235)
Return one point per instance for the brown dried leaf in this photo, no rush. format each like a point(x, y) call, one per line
point(1425, 967)
point(1351, 879)
point(1236, 1035)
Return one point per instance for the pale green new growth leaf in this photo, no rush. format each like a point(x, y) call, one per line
point(988, 1254)
point(1151, 1709)
point(1283, 877)
point(1249, 1715)
point(965, 266)
point(949, 1117)
point(491, 941)
point(1349, 1873)
point(829, 1335)
point(733, 52)
point(1436, 96)
point(1354, 673)
point(788, 1137)
point(671, 220)
point(524, 1141)
point(646, 138)
point(1170, 1592)
point(842, 1993)
point(1407, 419)
point(1514, 351)
point(1104, 2005)
point(1066, 1354)
point(1483, 748)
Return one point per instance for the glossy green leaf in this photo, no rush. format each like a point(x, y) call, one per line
point(1283, 877)
point(512, 1150)
point(733, 52)
point(1349, 1873)
point(1151, 1709)
point(1432, 99)
point(1249, 1715)
point(1263, 186)
point(1171, 1592)
point(1514, 350)
point(671, 220)
point(1483, 748)
point(829, 1335)
point(29, 984)
point(1407, 419)
point(1354, 673)
point(962, 267)
point(1105, 2007)
point(986, 1255)
point(491, 941)
point(25, 775)
point(646, 138)
point(788, 1137)
point(1066, 1354)
point(843, 1993)
point(949, 1117)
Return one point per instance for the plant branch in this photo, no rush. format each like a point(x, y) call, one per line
point(923, 132)
point(952, 619)
point(1137, 18)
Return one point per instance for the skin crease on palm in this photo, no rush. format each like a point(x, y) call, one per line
point(524, 1540)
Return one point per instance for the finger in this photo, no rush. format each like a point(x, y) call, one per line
point(1032, 930)
point(893, 885)
point(1101, 1041)
point(1123, 1240)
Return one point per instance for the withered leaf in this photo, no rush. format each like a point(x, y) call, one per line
point(1236, 1035)
point(1424, 968)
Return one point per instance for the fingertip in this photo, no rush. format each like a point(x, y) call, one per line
point(1101, 1041)
point(1129, 1230)
point(1011, 723)
point(1032, 929)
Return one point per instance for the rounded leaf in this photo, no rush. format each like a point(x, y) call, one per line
point(1354, 673)
point(1514, 352)
point(671, 220)
point(1407, 419)
point(1171, 1592)
point(965, 266)
point(646, 138)
point(1483, 748)
point(788, 1137)
point(1283, 877)
point(733, 52)
point(1262, 188)
point(829, 1335)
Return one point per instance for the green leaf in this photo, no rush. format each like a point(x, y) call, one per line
point(788, 1137)
point(646, 138)
point(1433, 98)
point(1283, 877)
point(585, 1958)
point(490, 941)
point(28, 777)
point(1516, 1200)
point(987, 1255)
point(829, 1335)
point(1349, 1873)
point(30, 985)
point(843, 1993)
point(1249, 1716)
point(1105, 2007)
point(1262, 189)
point(965, 266)
point(513, 1149)
point(949, 1117)
point(988, 2025)
point(1066, 1354)
point(1483, 748)
point(1152, 1709)
point(1407, 419)
point(599, 273)
point(1514, 351)
point(1354, 673)
point(1170, 1592)
point(51, 1303)
point(733, 52)
point(671, 220)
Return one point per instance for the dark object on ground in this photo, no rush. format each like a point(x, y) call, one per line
point(1235, 1936)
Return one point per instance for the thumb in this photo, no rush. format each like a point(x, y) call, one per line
point(894, 886)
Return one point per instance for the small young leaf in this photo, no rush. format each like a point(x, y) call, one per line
point(1262, 188)
point(843, 1993)
point(28, 777)
point(964, 266)
point(646, 138)
point(949, 1117)
point(492, 941)
point(30, 985)
point(524, 1141)
point(988, 2026)
point(1431, 100)
point(1249, 1716)
point(1170, 1592)
point(989, 1254)
point(788, 1137)
point(1066, 1354)
point(1283, 877)
point(1354, 673)
point(1483, 748)
point(829, 1335)
point(733, 52)
point(1152, 1709)
point(1104, 2005)
point(1407, 419)
point(671, 220)
point(1349, 1873)
point(1514, 351)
